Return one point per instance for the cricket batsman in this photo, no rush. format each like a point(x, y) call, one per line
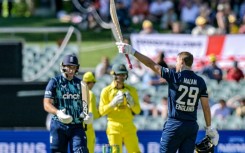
point(119, 101)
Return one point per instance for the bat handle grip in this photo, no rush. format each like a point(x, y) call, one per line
point(129, 62)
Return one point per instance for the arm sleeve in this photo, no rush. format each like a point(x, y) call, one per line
point(104, 107)
point(50, 89)
point(167, 73)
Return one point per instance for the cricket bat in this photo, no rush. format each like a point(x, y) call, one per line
point(117, 28)
point(85, 99)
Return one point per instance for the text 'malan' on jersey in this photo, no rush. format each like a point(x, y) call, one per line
point(66, 94)
point(185, 90)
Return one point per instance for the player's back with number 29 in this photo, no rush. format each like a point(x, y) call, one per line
point(184, 91)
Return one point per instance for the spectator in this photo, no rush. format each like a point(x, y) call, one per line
point(205, 11)
point(176, 28)
point(92, 23)
point(189, 14)
point(147, 28)
point(234, 102)
point(240, 110)
point(123, 14)
point(158, 8)
point(139, 10)
point(212, 71)
point(202, 28)
point(242, 10)
point(104, 10)
point(151, 78)
point(162, 108)
point(234, 73)
point(242, 27)
point(147, 106)
point(233, 27)
point(103, 68)
point(168, 19)
point(220, 110)
point(224, 11)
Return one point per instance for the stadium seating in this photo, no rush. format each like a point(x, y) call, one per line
point(233, 122)
point(36, 58)
point(154, 123)
point(140, 122)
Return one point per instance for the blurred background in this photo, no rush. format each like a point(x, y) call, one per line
point(36, 34)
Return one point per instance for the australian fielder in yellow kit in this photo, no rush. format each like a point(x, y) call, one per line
point(89, 78)
point(119, 101)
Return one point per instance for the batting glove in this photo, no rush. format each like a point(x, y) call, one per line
point(64, 118)
point(125, 48)
point(129, 98)
point(118, 99)
point(213, 134)
point(88, 118)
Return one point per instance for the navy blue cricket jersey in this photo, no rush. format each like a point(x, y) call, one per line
point(66, 94)
point(185, 90)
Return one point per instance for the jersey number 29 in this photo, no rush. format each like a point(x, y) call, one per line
point(190, 92)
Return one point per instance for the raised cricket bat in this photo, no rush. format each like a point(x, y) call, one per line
point(119, 36)
point(85, 98)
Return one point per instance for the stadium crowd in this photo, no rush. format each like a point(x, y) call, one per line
point(177, 16)
point(188, 16)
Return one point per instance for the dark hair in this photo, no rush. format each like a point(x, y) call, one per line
point(222, 101)
point(187, 58)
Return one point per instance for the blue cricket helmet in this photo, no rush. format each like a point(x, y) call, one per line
point(70, 59)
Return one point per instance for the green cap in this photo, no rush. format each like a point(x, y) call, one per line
point(119, 69)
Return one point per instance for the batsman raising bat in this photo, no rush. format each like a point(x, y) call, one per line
point(90, 80)
point(116, 28)
point(119, 101)
point(63, 99)
point(185, 90)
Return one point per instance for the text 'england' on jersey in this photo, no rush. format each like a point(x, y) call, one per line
point(66, 94)
point(185, 90)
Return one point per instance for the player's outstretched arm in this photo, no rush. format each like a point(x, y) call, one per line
point(128, 49)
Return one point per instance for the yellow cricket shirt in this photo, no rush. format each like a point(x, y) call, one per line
point(121, 113)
